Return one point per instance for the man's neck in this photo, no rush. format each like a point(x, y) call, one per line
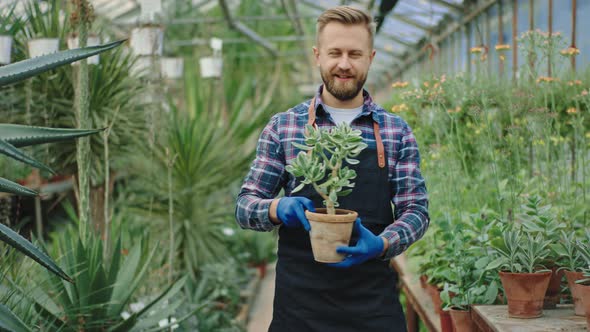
point(332, 101)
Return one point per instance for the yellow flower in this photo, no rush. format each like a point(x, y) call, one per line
point(502, 57)
point(570, 51)
point(574, 82)
point(572, 110)
point(477, 49)
point(426, 84)
point(399, 108)
point(502, 47)
point(456, 110)
point(588, 135)
point(399, 84)
point(547, 79)
point(584, 92)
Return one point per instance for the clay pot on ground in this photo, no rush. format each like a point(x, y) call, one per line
point(525, 293)
point(553, 293)
point(328, 232)
point(575, 290)
point(584, 292)
point(462, 321)
point(446, 322)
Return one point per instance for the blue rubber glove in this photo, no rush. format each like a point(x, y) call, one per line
point(367, 247)
point(291, 211)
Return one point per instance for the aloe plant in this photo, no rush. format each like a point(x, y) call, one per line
point(326, 151)
point(14, 136)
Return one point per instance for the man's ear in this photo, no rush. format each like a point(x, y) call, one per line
point(373, 55)
point(316, 54)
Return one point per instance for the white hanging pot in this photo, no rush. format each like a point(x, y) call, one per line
point(172, 68)
point(5, 49)
point(73, 42)
point(211, 67)
point(143, 66)
point(42, 46)
point(147, 40)
point(150, 9)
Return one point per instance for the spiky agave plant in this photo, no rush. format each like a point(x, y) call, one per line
point(13, 137)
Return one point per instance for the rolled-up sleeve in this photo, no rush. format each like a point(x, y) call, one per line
point(263, 182)
point(410, 198)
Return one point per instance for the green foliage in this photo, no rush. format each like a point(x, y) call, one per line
point(520, 253)
point(567, 252)
point(104, 286)
point(217, 290)
point(538, 219)
point(328, 150)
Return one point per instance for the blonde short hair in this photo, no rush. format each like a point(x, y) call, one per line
point(346, 15)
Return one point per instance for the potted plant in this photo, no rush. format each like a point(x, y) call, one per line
point(572, 264)
point(537, 219)
point(172, 68)
point(10, 23)
point(523, 277)
point(147, 39)
point(584, 283)
point(322, 164)
point(469, 282)
point(44, 28)
point(212, 66)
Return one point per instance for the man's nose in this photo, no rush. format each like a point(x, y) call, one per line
point(344, 63)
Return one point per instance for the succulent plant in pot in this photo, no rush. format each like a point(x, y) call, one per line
point(583, 285)
point(323, 164)
point(572, 264)
point(537, 218)
point(523, 276)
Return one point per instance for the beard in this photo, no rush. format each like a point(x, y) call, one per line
point(343, 90)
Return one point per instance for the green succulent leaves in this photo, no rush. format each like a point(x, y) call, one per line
point(324, 157)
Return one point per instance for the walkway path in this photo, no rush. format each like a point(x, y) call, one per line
point(261, 313)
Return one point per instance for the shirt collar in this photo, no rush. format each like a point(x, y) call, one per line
point(368, 105)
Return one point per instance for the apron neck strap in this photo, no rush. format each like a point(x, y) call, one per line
point(379, 141)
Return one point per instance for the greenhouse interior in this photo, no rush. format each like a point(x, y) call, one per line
point(294, 165)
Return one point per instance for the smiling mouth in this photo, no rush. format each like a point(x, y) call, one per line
point(343, 77)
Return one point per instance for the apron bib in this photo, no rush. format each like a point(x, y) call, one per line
point(312, 296)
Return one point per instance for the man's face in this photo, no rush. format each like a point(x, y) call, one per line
point(344, 55)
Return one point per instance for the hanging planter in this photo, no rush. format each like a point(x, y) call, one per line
point(150, 9)
point(147, 40)
point(172, 68)
point(42, 46)
point(211, 67)
point(92, 41)
point(5, 49)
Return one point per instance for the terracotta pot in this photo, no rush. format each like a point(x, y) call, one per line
point(584, 292)
point(446, 322)
point(462, 321)
point(423, 281)
point(575, 289)
point(553, 293)
point(525, 293)
point(328, 232)
point(434, 293)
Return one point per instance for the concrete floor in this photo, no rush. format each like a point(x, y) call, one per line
point(261, 313)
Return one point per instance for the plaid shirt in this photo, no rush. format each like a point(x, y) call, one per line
point(274, 150)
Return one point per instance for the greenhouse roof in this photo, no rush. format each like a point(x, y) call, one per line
point(405, 27)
